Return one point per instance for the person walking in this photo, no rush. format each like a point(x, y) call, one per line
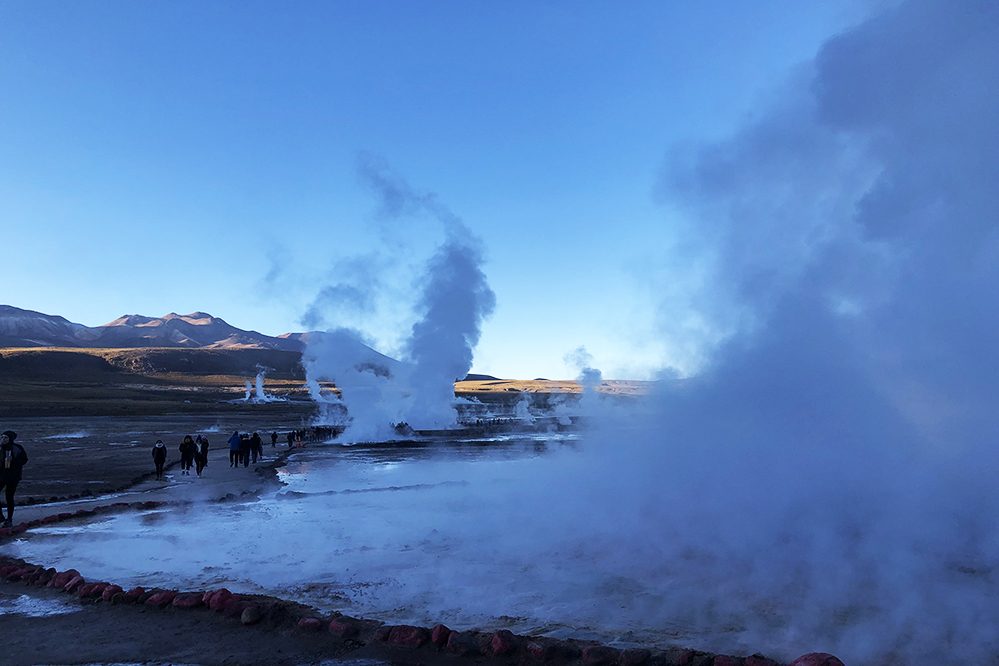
point(12, 458)
point(187, 450)
point(256, 447)
point(291, 439)
point(159, 458)
point(274, 438)
point(244, 449)
point(201, 454)
point(234, 449)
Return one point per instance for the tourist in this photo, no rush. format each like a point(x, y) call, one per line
point(291, 438)
point(159, 458)
point(244, 449)
point(12, 459)
point(234, 449)
point(202, 456)
point(187, 450)
point(274, 438)
point(256, 447)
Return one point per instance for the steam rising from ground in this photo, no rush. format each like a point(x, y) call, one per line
point(827, 481)
point(454, 298)
point(830, 477)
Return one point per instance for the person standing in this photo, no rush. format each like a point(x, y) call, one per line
point(201, 454)
point(256, 447)
point(234, 449)
point(12, 459)
point(244, 449)
point(187, 450)
point(274, 438)
point(159, 458)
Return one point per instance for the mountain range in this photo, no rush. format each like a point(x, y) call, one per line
point(198, 330)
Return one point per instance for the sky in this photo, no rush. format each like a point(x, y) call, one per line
point(188, 156)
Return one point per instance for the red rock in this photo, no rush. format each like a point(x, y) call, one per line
point(219, 598)
point(18, 573)
point(310, 624)
point(634, 657)
point(206, 597)
point(91, 590)
point(4, 531)
point(439, 635)
point(681, 657)
point(74, 582)
point(110, 591)
point(408, 636)
point(62, 577)
point(43, 578)
point(161, 599)
point(343, 626)
point(251, 615)
point(759, 660)
point(190, 600)
point(599, 655)
point(463, 644)
point(539, 652)
point(725, 660)
point(134, 595)
point(503, 642)
point(816, 659)
point(23, 573)
point(234, 606)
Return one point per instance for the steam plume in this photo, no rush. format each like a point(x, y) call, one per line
point(454, 299)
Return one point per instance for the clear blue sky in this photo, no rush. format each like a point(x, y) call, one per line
point(181, 156)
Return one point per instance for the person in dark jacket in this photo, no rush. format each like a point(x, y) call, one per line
point(256, 447)
point(159, 458)
point(187, 450)
point(274, 438)
point(234, 449)
point(12, 459)
point(291, 439)
point(200, 454)
point(244, 449)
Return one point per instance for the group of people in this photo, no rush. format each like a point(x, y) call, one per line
point(193, 453)
point(12, 459)
point(243, 447)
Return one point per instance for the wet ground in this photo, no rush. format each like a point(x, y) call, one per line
point(444, 530)
point(99, 455)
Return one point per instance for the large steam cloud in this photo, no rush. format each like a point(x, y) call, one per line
point(829, 479)
point(454, 299)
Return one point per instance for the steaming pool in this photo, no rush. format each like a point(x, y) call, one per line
point(532, 532)
point(425, 534)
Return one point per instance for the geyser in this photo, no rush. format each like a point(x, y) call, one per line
point(454, 299)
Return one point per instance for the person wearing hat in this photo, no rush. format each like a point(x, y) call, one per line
point(12, 459)
point(159, 457)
